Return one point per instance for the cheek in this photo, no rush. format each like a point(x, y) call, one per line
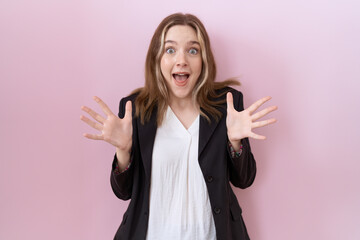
point(198, 66)
point(165, 65)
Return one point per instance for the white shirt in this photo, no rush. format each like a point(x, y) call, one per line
point(179, 201)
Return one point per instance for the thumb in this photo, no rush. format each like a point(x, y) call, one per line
point(128, 110)
point(230, 101)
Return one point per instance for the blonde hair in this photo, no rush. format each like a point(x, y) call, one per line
point(155, 95)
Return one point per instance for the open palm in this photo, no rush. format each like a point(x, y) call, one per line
point(240, 124)
point(114, 130)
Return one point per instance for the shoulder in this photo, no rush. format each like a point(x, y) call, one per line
point(237, 97)
point(123, 102)
point(221, 93)
point(130, 97)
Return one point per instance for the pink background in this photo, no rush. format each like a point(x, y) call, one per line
point(55, 55)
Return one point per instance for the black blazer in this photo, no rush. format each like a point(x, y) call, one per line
point(215, 161)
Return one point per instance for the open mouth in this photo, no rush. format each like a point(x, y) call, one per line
point(181, 78)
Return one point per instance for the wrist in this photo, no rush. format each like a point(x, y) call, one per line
point(236, 145)
point(123, 158)
point(235, 153)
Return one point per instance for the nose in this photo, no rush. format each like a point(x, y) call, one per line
point(181, 60)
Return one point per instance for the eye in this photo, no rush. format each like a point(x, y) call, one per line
point(170, 50)
point(193, 51)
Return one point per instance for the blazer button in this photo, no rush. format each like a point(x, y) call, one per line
point(217, 210)
point(209, 179)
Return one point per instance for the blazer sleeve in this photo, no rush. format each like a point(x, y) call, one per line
point(121, 183)
point(242, 169)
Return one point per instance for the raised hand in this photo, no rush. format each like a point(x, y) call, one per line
point(240, 124)
point(114, 130)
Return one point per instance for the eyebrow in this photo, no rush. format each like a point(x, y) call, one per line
point(190, 42)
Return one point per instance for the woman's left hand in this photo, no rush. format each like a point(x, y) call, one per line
point(240, 124)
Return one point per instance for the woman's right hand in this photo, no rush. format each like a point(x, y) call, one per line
point(114, 130)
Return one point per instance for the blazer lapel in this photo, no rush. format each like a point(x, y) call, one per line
point(147, 134)
point(207, 129)
point(146, 137)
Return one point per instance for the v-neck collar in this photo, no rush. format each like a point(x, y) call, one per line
point(148, 130)
point(174, 120)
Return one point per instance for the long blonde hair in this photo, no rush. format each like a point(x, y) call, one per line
point(155, 94)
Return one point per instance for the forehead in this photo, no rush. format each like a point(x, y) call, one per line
point(181, 33)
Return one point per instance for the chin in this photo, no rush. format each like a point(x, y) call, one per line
point(181, 95)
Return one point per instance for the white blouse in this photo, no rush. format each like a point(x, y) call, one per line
point(179, 201)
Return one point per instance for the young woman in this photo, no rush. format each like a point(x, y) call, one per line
point(180, 140)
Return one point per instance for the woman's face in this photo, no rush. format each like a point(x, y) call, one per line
point(181, 62)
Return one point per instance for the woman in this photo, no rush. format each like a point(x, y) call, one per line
point(179, 141)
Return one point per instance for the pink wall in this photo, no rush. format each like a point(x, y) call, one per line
point(55, 55)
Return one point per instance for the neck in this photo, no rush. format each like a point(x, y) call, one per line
point(186, 104)
point(185, 110)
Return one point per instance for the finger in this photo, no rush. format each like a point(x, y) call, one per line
point(263, 123)
point(94, 137)
point(257, 136)
point(257, 104)
point(103, 106)
point(128, 110)
point(230, 101)
point(262, 113)
point(94, 114)
point(91, 123)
